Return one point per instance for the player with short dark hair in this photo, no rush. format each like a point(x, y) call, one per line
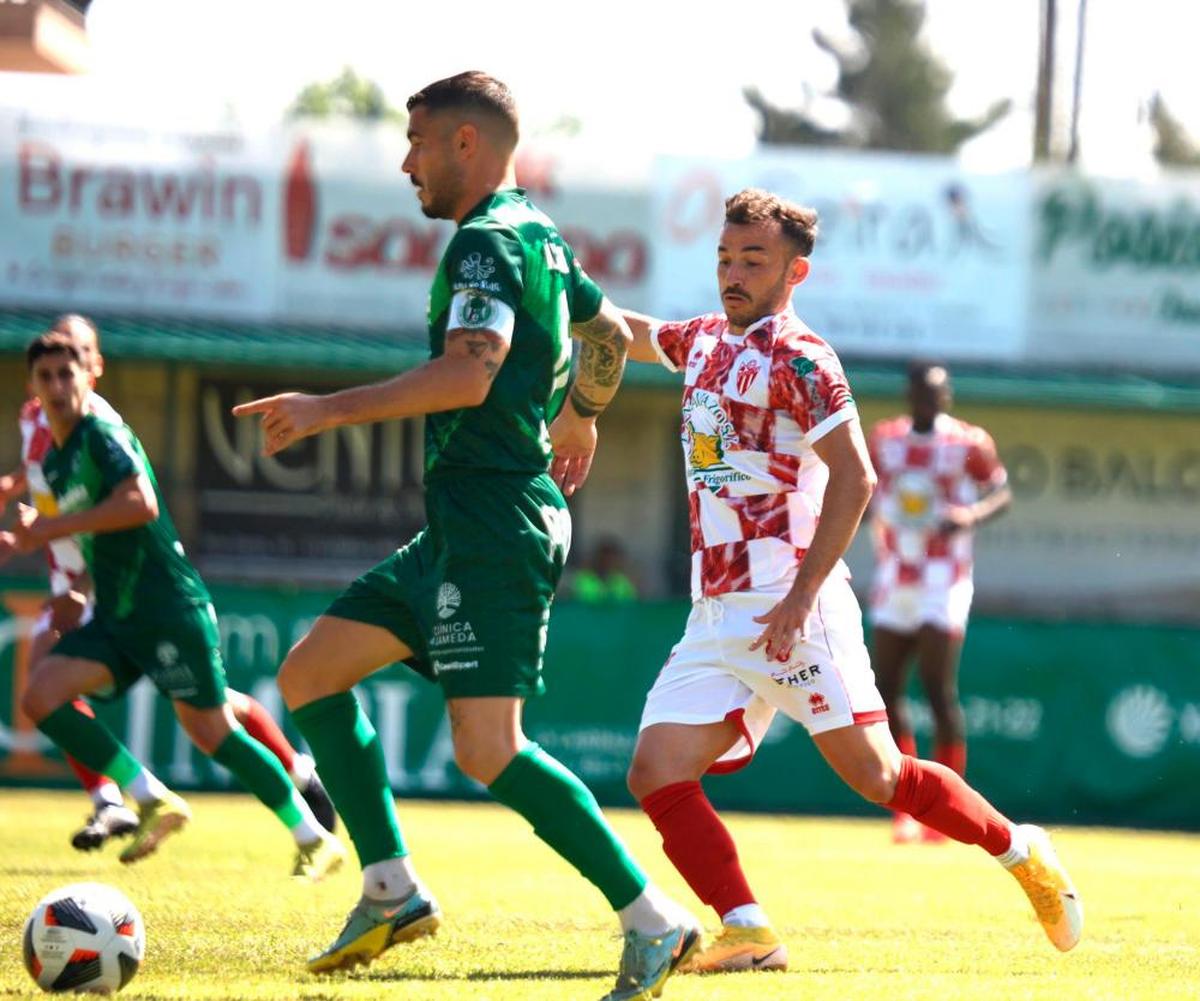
point(70, 605)
point(467, 602)
point(152, 616)
point(939, 478)
point(778, 478)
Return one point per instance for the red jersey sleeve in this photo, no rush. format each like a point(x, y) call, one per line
point(809, 384)
point(673, 341)
point(983, 463)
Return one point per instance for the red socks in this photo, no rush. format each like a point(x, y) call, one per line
point(699, 845)
point(940, 799)
point(262, 727)
point(953, 756)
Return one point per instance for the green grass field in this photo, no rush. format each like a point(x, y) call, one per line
point(862, 918)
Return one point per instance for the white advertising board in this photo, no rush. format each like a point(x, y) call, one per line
point(913, 257)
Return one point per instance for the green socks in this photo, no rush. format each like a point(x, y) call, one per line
point(258, 771)
point(90, 741)
point(350, 760)
point(565, 815)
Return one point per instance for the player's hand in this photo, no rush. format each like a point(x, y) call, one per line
point(573, 439)
point(8, 546)
point(28, 534)
point(957, 518)
point(66, 611)
point(786, 624)
point(286, 418)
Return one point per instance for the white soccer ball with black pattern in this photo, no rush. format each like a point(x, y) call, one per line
point(84, 937)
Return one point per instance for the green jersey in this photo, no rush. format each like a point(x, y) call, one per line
point(508, 270)
point(141, 568)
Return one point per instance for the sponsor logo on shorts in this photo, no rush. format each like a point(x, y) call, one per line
point(442, 666)
point(449, 598)
point(817, 703)
point(796, 677)
point(452, 634)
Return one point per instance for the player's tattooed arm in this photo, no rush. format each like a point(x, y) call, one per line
point(605, 345)
point(488, 347)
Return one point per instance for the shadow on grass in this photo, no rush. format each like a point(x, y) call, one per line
point(401, 975)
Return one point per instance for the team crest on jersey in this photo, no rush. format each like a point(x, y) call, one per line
point(449, 598)
point(746, 376)
point(708, 434)
point(476, 268)
point(476, 312)
point(167, 654)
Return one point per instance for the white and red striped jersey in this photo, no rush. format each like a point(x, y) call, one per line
point(921, 476)
point(65, 556)
point(753, 405)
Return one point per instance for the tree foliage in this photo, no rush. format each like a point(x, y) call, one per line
point(894, 87)
point(347, 96)
point(1173, 147)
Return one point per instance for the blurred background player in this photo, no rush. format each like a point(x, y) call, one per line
point(939, 477)
point(152, 615)
point(69, 606)
point(778, 478)
point(605, 578)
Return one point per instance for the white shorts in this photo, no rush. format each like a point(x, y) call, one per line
point(905, 608)
point(713, 675)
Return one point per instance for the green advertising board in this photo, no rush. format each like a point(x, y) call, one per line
point(1068, 722)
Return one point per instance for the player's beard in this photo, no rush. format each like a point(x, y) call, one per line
point(443, 197)
point(744, 312)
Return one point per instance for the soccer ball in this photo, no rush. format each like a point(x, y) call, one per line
point(84, 937)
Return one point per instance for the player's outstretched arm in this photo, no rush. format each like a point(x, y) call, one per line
point(131, 503)
point(460, 377)
point(641, 326)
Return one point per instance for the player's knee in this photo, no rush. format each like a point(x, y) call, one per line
point(207, 729)
point(39, 700)
point(876, 783)
point(298, 683)
point(645, 776)
point(483, 760)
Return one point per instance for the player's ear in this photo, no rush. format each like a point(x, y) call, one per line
point(798, 270)
point(466, 139)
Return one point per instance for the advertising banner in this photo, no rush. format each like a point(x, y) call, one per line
point(357, 249)
point(345, 498)
point(914, 256)
point(1066, 722)
point(143, 218)
point(308, 222)
point(1116, 277)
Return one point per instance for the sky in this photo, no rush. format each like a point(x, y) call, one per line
point(665, 76)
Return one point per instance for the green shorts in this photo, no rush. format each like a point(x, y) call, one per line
point(180, 652)
point(470, 594)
